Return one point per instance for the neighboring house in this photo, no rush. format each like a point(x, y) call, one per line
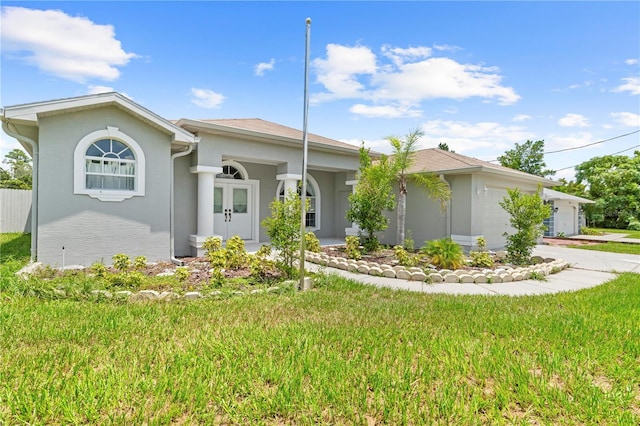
point(566, 213)
point(112, 177)
point(477, 187)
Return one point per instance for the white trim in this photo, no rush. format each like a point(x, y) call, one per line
point(237, 166)
point(314, 182)
point(79, 166)
point(205, 169)
point(351, 182)
point(285, 176)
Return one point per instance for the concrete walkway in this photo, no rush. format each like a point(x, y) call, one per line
point(589, 269)
point(617, 238)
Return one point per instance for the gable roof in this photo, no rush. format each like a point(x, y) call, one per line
point(437, 161)
point(264, 130)
point(29, 114)
point(550, 194)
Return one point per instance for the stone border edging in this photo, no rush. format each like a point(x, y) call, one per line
point(462, 276)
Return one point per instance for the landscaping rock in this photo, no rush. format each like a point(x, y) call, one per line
point(506, 278)
point(466, 278)
point(480, 279)
point(451, 278)
point(389, 273)
point(403, 274)
point(363, 269)
point(168, 296)
point(434, 277)
point(192, 295)
point(375, 271)
point(418, 276)
point(352, 268)
point(144, 295)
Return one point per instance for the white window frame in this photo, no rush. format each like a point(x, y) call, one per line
point(316, 188)
point(79, 166)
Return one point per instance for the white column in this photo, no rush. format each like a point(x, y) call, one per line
point(206, 180)
point(290, 182)
point(354, 229)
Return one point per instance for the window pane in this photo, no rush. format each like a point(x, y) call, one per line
point(310, 220)
point(240, 200)
point(94, 182)
point(94, 166)
point(104, 145)
point(93, 151)
point(312, 204)
point(128, 169)
point(217, 200)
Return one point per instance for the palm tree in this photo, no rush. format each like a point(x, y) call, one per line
point(404, 150)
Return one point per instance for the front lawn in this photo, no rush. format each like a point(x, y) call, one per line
point(343, 353)
point(610, 247)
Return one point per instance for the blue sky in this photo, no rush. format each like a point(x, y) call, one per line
point(480, 76)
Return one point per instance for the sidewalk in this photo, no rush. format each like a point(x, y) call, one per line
point(589, 269)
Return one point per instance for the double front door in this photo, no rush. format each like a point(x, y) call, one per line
point(232, 210)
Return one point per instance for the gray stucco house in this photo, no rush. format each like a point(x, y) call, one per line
point(566, 213)
point(477, 187)
point(111, 177)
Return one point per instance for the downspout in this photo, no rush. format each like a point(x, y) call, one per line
point(34, 184)
point(448, 213)
point(172, 248)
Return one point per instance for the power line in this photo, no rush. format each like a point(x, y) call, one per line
point(584, 146)
point(590, 144)
point(615, 153)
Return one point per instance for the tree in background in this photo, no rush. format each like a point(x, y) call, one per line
point(527, 211)
point(372, 196)
point(613, 181)
point(528, 157)
point(444, 146)
point(404, 150)
point(17, 173)
point(573, 188)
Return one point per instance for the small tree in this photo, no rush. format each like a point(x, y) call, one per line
point(373, 195)
point(17, 174)
point(283, 228)
point(527, 212)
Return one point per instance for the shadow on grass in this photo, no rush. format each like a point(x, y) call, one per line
point(14, 246)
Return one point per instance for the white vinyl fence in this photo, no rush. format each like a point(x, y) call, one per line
point(15, 210)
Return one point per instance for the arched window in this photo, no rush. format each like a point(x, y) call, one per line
point(312, 216)
point(232, 170)
point(109, 165)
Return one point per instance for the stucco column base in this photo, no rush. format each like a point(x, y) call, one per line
point(196, 241)
point(353, 231)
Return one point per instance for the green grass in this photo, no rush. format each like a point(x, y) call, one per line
point(610, 247)
point(341, 354)
point(14, 247)
point(631, 234)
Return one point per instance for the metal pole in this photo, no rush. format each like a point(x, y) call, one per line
point(303, 193)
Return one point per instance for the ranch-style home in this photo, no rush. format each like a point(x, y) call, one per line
point(111, 177)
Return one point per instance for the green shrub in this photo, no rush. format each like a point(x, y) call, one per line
point(121, 262)
point(140, 262)
point(99, 270)
point(409, 244)
point(444, 253)
point(131, 279)
point(235, 253)
point(182, 273)
point(589, 231)
point(263, 269)
point(353, 247)
point(634, 225)
point(481, 258)
point(404, 257)
point(312, 243)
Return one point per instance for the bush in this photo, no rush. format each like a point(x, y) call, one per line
point(403, 257)
point(481, 258)
point(634, 225)
point(121, 262)
point(353, 247)
point(235, 253)
point(444, 253)
point(140, 262)
point(312, 243)
point(528, 213)
point(589, 231)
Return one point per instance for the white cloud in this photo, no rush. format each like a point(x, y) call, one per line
point(631, 61)
point(69, 47)
point(97, 89)
point(553, 141)
point(580, 85)
point(574, 120)
point(631, 85)
point(521, 117)
point(403, 76)
point(206, 98)
point(264, 66)
point(463, 136)
point(627, 118)
point(384, 111)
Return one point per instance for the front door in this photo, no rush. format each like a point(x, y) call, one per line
point(232, 210)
